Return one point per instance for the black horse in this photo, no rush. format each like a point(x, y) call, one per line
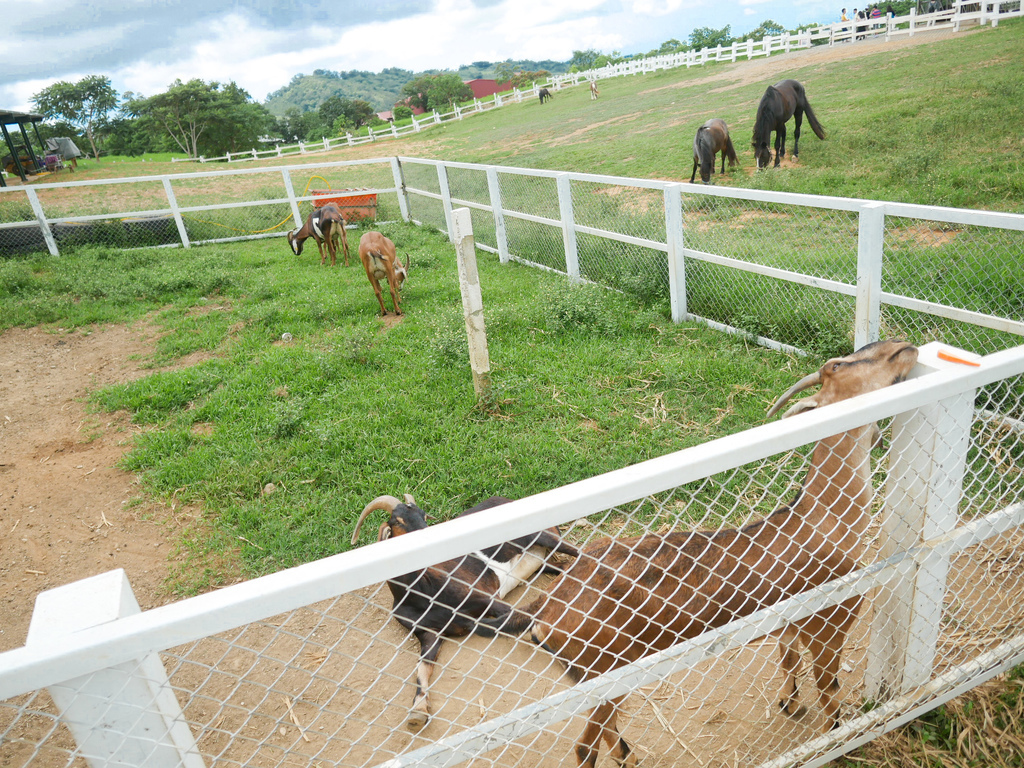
point(711, 138)
point(544, 93)
point(780, 102)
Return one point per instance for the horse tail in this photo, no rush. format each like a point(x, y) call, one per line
point(819, 131)
point(730, 152)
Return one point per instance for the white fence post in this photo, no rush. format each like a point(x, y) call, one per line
point(674, 237)
point(182, 232)
point(922, 492)
point(446, 196)
point(472, 299)
point(124, 715)
point(44, 225)
point(870, 242)
point(500, 235)
point(572, 261)
point(296, 215)
point(403, 194)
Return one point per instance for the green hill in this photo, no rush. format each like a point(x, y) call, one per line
point(380, 89)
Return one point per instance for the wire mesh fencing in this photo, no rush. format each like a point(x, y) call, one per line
point(917, 565)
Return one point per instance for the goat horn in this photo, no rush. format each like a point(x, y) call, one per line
point(410, 500)
point(387, 503)
point(806, 382)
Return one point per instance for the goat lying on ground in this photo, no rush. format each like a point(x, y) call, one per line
point(325, 225)
point(448, 599)
point(380, 261)
point(624, 599)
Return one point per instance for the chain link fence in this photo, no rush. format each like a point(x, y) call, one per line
point(332, 682)
point(306, 667)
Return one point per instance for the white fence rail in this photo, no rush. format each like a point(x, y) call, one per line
point(960, 13)
point(790, 269)
point(303, 666)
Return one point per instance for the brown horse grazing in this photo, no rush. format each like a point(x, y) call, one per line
point(780, 102)
point(711, 138)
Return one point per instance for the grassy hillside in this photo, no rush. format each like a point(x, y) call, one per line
point(381, 89)
point(936, 120)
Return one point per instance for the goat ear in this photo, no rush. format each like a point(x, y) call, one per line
point(384, 532)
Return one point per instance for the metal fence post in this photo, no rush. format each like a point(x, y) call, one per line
point(675, 238)
point(446, 196)
point(870, 243)
point(403, 193)
point(472, 299)
point(500, 234)
point(290, 190)
point(572, 261)
point(124, 715)
point(927, 458)
point(44, 225)
point(182, 232)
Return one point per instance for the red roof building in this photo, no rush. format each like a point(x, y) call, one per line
point(484, 88)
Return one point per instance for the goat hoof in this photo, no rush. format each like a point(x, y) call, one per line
point(787, 705)
point(416, 721)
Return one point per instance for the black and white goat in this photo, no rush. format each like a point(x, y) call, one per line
point(325, 225)
point(450, 598)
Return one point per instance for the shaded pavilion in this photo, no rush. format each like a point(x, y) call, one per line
point(20, 119)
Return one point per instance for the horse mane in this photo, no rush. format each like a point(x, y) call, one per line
point(765, 120)
point(703, 148)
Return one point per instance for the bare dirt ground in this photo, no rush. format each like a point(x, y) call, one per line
point(65, 510)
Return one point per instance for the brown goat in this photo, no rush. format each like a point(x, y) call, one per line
point(325, 225)
point(449, 598)
point(380, 261)
point(624, 599)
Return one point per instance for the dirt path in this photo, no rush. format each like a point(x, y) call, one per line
point(66, 511)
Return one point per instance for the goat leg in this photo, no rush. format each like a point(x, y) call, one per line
point(419, 714)
point(790, 663)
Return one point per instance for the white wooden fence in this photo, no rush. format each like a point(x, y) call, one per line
point(961, 13)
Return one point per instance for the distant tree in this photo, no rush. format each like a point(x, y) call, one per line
point(401, 112)
point(203, 118)
point(767, 28)
point(584, 59)
point(670, 46)
point(84, 104)
point(331, 109)
point(506, 70)
point(523, 79)
point(436, 91)
point(706, 37)
point(359, 112)
point(416, 92)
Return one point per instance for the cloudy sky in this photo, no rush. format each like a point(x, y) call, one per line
point(144, 45)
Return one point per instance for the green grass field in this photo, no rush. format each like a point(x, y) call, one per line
point(585, 380)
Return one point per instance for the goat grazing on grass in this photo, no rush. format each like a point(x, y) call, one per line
point(381, 262)
point(326, 225)
point(449, 599)
point(624, 599)
point(544, 93)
